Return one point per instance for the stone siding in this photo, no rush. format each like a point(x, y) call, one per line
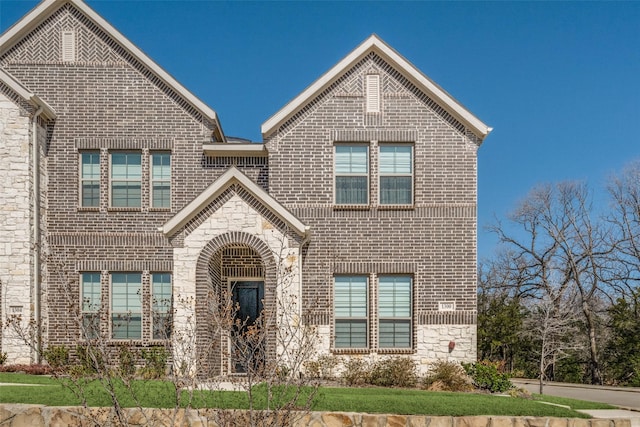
point(431, 345)
point(198, 270)
point(15, 226)
point(46, 416)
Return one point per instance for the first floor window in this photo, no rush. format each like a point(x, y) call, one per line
point(161, 180)
point(126, 179)
point(90, 179)
point(350, 308)
point(352, 174)
point(90, 289)
point(394, 311)
point(126, 307)
point(161, 305)
point(396, 174)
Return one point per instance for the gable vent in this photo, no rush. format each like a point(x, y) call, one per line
point(68, 46)
point(373, 93)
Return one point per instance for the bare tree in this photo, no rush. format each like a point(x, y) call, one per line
point(560, 247)
point(624, 192)
point(551, 325)
point(273, 349)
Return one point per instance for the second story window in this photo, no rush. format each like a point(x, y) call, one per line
point(90, 179)
point(160, 180)
point(396, 174)
point(126, 179)
point(351, 174)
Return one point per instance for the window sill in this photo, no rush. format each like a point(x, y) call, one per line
point(124, 209)
point(396, 207)
point(396, 351)
point(351, 207)
point(350, 351)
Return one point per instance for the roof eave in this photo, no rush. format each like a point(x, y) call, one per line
point(43, 10)
point(47, 111)
point(216, 188)
point(373, 43)
point(235, 149)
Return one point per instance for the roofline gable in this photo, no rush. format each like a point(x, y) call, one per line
point(26, 94)
point(232, 175)
point(46, 7)
point(374, 44)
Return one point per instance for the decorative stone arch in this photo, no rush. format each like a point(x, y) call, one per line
point(211, 348)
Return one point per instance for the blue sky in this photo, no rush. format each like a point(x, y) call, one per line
point(559, 81)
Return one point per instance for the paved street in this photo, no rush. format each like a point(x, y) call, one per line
point(627, 398)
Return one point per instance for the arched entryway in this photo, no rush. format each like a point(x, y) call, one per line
point(235, 278)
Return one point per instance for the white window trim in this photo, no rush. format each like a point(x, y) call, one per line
point(152, 180)
point(367, 174)
point(411, 175)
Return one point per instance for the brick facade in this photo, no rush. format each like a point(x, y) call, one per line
point(434, 240)
point(109, 100)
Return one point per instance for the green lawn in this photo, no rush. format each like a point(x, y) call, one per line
point(444, 404)
point(372, 400)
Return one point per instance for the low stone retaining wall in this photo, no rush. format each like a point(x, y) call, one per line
point(48, 416)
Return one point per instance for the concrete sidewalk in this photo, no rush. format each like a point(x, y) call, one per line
point(633, 416)
point(23, 385)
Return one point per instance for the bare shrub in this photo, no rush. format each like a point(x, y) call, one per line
point(394, 372)
point(447, 376)
point(323, 367)
point(356, 372)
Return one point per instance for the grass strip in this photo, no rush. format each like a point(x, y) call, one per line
point(419, 402)
point(161, 394)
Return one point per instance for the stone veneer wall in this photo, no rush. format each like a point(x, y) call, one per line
point(45, 416)
point(15, 224)
point(193, 278)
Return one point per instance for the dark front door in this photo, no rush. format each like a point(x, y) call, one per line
point(248, 338)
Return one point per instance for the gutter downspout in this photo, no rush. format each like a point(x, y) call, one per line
point(305, 242)
point(35, 169)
